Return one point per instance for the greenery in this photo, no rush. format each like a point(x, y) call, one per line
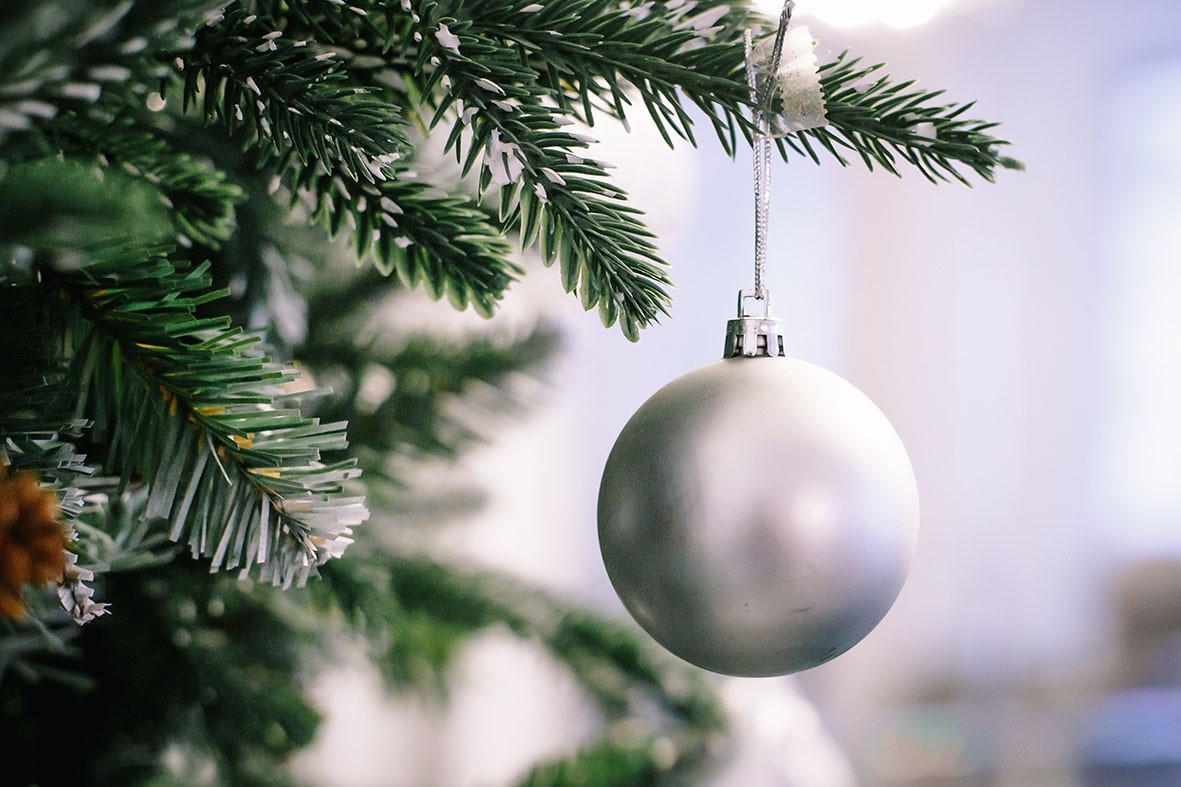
point(209, 207)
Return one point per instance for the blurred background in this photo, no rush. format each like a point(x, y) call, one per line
point(1025, 340)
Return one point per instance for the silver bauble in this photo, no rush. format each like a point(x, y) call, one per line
point(757, 516)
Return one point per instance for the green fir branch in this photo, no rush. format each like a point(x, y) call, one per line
point(195, 679)
point(66, 58)
point(357, 27)
point(638, 761)
point(563, 202)
point(340, 151)
point(589, 54)
point(415, 415)
point(595, 51)
point(883, 121)
point(199, 199)
point(194, 408)
point(485, 67)
point(81, 101)
point(30, 650)
point(288, 97)
point(195, 198)
point(492, 69)
point(39, 432)
point(870, 115)
point(409, 227)
point(38, 429)
point(414, 611)
point(610, 55)
point(35, 399)
point(62, 203)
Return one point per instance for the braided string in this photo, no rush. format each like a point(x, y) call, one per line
point(760, 99)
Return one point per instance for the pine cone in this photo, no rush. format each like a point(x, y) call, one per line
point(32, 539)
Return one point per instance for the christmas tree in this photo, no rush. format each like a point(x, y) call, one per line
point(207, 208)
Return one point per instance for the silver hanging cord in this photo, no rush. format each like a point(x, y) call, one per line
point(760, 99)
point(748, 335)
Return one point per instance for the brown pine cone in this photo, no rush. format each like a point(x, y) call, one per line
point(32, 539)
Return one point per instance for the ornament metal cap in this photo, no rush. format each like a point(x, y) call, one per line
point(750, 335)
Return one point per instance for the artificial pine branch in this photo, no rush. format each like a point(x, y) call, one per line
point(637, 761)
point(441, 242)
point(65, 58)
point(62, 204)
point(882, 121)
point(415, 419)
point(330, 134)
point(193, 679)
point(41, 437)
point(199, 199)
point(35, 399)
point(602, 53)
point(515, 137)
point(612, 52)
point(192, 405)
point(416, 610)
point(563, 202)
point(341, 152)
point(288, 97)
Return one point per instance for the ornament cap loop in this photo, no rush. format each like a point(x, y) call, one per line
point(750, 335)
point(761, 294)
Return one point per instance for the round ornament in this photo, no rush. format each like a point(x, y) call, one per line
point(757, 515)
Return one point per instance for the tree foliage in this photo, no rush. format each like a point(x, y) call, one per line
point(208, 207)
